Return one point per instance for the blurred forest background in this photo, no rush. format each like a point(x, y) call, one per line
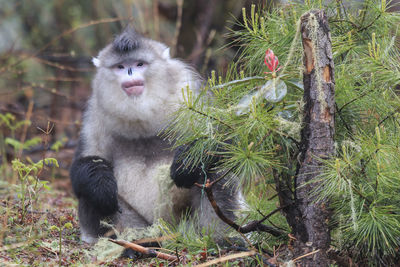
point(46, 49)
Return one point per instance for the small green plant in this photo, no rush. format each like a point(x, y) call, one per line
point(60, 229)
point(58, 144)
point(30, 184)
point(18, 146)
point(11, 122)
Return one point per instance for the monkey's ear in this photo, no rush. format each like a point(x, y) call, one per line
point(96, 62)
point(166, 54)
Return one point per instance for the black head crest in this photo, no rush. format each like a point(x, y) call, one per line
point(127, 41)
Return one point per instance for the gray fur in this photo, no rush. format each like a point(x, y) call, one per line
point(125, 130)
point(127, 41)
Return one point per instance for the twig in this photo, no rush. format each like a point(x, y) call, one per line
point(344, 121)
point(227, 258)
point(177, 254)
point(306, 255)
point(249, 227)
point(270, 214)
point(263, 138)
point(55, 39)
point(237, 81)
point(220, 178)
point(370, 24)
point(59, 66)
point(388, 116)
point(211, 117)
point(347, 21)
point(145, 251)
point(353, 100)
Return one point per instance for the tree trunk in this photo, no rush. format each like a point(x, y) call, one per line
point(316, 138)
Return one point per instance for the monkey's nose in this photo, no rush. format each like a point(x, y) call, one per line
point(130, 71)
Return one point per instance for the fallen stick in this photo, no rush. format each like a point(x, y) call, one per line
point(144, 250)
point(227, 258)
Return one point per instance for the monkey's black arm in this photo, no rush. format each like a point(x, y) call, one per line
point(93, 180)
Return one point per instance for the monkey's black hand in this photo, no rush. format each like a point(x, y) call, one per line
point(185, 176)
point(93, 179)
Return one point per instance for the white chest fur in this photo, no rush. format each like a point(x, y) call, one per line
point(141, 168)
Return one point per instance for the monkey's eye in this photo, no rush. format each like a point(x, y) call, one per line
point(140, 64)
point(120, 66)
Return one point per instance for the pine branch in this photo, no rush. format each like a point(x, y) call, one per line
point(235, 82)
point(344, 122)
point(370, 24)
point(351, 101)
point(210, 116)
point(388, 116)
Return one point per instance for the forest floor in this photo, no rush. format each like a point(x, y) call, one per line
point(47, 233)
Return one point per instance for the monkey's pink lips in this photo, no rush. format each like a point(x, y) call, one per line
point(134, 88)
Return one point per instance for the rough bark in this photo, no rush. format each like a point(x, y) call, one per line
point(316, 138)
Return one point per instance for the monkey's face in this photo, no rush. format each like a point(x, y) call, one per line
point(141, 72)
point(130, 76)
point(138, 83)
point(136, 78)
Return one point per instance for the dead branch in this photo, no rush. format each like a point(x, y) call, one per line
point(145, 251)
point(249, 227)
point(227, 258)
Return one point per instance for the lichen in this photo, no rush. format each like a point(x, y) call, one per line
point(293, 46)
point(353, 208)
point(290, 127)
point(165, 184)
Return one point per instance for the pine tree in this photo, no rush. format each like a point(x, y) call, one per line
point(254, 118)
